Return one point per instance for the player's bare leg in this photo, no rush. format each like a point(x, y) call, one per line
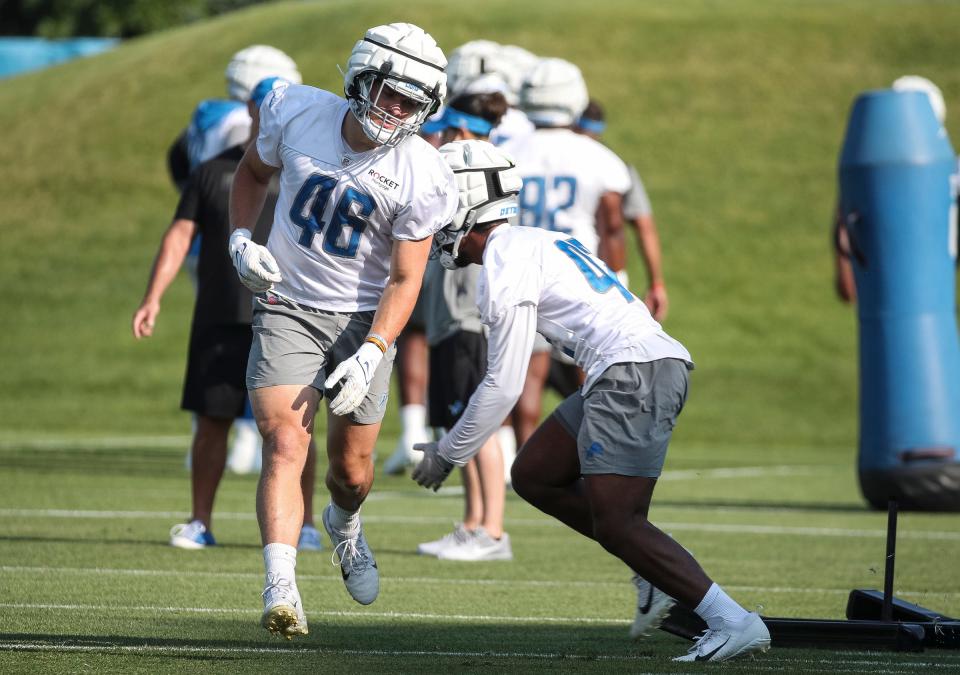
point(412, 365)
point(349, 479)
point(309, 539)
point(285, 416)
point(612, 510)
point(526, 414)
point(209, 457)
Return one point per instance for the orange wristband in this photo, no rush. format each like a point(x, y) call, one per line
point(380, 343)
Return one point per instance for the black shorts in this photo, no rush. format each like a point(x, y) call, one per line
point(215, 384)
point(457, 366)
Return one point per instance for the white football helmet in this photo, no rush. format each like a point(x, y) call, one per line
point(404, 58)
point(917, 83)
point(469, 61)
point(488, 183)
point(553, 93)
point(515, 63)
point(251, 65)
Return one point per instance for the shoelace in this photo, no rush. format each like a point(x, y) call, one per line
point(354, 555)
point(703, 640)
point(185, 530)
point(277, 583)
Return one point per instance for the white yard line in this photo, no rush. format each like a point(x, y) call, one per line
point(710, 528)
point(511, 583)
point(417, 616)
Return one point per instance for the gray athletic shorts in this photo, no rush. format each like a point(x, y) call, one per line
point(624, 422)
point(294, 344)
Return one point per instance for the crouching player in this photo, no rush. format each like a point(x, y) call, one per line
point(594, 463)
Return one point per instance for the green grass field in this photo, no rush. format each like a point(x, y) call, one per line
point(89, 584)
point(734, 113)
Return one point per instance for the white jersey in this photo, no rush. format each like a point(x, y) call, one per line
point(535, 281)
point(564, 176)
point(513, 126)
point(339, 212)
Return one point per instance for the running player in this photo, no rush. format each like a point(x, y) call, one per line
point(594, 463)
point(361, 195)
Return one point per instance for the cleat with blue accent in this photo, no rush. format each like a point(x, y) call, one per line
point(357, 564)
point(193, 535)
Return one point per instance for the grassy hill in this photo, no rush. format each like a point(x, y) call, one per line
point(733, 112)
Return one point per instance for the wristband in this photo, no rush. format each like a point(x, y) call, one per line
point(377, 341)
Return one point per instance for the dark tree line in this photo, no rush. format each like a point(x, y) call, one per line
point(104, 18)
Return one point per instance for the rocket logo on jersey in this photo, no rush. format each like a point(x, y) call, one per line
point(382, 181)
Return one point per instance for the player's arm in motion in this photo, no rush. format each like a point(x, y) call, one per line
point(170, 256)
point(510, 343)
point(407, 262)
point(612, 246)
point(255, 265)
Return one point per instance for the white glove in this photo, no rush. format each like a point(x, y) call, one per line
point(255, 264)
point(433, 469)
point(354, 376)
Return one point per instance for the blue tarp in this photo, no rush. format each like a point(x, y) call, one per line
point(23, 54)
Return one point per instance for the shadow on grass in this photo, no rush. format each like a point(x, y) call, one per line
point(746, 505)
point(401, 646)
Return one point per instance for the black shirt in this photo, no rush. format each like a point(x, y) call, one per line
point(221, 298)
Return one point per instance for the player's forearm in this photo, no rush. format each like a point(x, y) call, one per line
point(483, 416)
point(247, 196)
point(170, 257)
point(649, 243)
point(508, 356)
point(396, 305)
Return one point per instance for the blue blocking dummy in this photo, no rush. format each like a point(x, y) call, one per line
point(898, 196)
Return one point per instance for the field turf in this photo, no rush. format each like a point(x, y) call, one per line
point(89, 583)
point(732, 111)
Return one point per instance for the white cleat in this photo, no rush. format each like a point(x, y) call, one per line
point(459, 535)
point(652, 606)
point(193, 536)
point(731, 640)
point(479, 547)
point(282, 608)
point(357, 564)
point(404, 455)
point(246, 448)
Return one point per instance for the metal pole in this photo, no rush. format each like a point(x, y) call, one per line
point(886, 612)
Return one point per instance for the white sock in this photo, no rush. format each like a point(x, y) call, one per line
point(343, 520)
point(413, 416)
point(717, 608)
point(280, 560)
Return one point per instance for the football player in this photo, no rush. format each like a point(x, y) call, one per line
point(361, 195)
point(594, 463)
